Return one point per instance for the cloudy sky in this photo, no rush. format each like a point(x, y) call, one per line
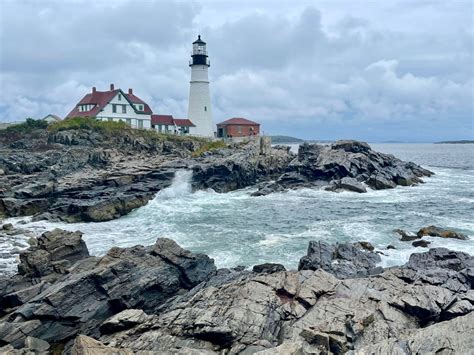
point(387, 70)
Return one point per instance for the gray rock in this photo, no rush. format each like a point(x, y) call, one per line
point(421, 243)
point(95, 289)
point(342, 260)
point(7, 226)
point(268, 268)
point(53, 249)
point(36, 345)
point(123, 320)
point(406, 236)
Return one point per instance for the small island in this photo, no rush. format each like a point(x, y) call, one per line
point(463, 141)
point(286, 140)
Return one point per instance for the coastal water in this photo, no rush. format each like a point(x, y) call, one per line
point(237, 229)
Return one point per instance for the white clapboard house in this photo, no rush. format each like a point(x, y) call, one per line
point(116, 105)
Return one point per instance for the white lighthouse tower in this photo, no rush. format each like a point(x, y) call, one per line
point(199, 108)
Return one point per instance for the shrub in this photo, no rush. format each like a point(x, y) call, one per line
point(90, 124)
point(209, 146)
point(26, 127)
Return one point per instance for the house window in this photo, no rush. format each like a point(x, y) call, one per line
point(159, 128)
point(110, 119)
point(120, 97)
point(114, 108)
point(205, 108)
point(124, 108)
point(140, 123)
point(140, 107)
point(239, 129)
point(129, 121)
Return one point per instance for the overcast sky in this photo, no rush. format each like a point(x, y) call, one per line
point(370, 70)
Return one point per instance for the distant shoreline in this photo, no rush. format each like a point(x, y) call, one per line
point(465, 141)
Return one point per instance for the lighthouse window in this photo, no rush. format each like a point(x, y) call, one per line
point(205, 108)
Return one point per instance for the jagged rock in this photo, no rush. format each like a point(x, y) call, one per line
point(97, 288)
point(345, 165)
point(421, 243)
point(194, 308)
point(453, 337)
point(123, 320)
point(434, 231)
point(268, 268)
point(7, 226)
point(406, 236)
point(390, 246)
point(342, 260)
point(84, 345)
point(36, 345)
point(54, 250)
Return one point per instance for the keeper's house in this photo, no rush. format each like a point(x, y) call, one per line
point(114, 105)
point(237, 127)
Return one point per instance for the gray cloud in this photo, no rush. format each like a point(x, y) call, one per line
point(338, 70)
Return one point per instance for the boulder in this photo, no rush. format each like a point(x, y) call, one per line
point(342, 260)
point(123, 320)
point(95, 289)
point(351, 146)
point(7, 227)
point(55, 251)
point(351, 184)
point(84, 345)
point(406, 236)
point(36, 345)
point(421, 243)
point(434, 231)
point(268, 268)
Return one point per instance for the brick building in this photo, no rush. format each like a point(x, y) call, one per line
point(237, 127)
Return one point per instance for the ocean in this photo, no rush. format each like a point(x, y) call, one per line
point(238, 229)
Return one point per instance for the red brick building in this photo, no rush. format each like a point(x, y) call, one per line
point(237, 127)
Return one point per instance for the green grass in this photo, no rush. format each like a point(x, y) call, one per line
point(115, 129)
point(89, 124)
point(31, 128)
point(208, 146)
point(28, 126)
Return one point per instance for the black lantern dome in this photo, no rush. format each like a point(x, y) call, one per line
point(199, 55)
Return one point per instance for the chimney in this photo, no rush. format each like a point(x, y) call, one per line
point(94, 89)
point(112, 88)
point(130, 91)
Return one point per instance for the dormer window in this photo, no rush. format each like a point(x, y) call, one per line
point(140, 107)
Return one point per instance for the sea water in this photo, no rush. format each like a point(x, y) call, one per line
point(237, 229)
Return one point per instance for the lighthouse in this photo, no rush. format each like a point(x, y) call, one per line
point(199, 106)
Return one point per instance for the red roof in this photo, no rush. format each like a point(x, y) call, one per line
point(238, 121)
point(162, 119)
point(183, 122)
point(100, 99)
point(136, 100)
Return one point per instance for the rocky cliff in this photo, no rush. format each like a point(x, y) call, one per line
point(85, 175)
point(162, 299)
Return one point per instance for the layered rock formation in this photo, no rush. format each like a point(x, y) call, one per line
point(81, 175)
point(163, 299)
point(345, 165)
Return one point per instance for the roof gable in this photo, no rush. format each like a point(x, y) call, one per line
point(101, 98)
